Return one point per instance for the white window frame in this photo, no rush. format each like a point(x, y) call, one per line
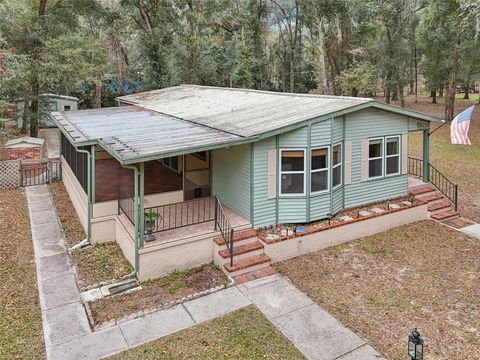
point(281, 172)
point(399, 155)
point(163, 161)
point(312, 171)
point(340, 164)
point(382, 157)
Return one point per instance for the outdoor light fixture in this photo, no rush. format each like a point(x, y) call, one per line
point(415, 346)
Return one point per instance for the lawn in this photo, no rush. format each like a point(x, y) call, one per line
point(243, 334)
point(423, 275)
point(157, 292)
point(97, 263)
point(21, 334)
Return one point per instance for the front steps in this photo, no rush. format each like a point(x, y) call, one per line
point(439, 207)
point(249, 259)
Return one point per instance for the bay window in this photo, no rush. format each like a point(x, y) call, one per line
point(319, 170)
point(292, 172)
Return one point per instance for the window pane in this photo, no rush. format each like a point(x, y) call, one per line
point(337, 176)
point(292, 184)
point(375, 168)
point(319, 181)
point(375, 148)
point(392, 146)
point(337, 155)
point(319, 159)
point(292, 160)
point(392, 165)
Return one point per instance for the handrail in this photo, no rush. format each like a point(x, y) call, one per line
point(436, 178)
point(223, 224)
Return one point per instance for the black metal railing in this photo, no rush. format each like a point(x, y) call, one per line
point(223, 224)
point(185, 213)
point(440, 181)
point(126, 205)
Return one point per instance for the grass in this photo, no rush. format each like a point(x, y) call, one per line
point(20, 319)
point(423, 275)
point(157, 292)
point(243, 334)
point(97, 263)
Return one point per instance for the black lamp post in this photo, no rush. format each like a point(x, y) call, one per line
point(415, 346)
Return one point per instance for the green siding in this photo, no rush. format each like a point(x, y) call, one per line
point(321, 133)
point(264, 208)
point(294, 139)
point(337, 200)
point(337, 131)
point(231, 177)
point(319, 206)
point(365, 124)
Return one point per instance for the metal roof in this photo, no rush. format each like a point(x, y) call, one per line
point(247, 112)
point(130, 132)
point(240, 111)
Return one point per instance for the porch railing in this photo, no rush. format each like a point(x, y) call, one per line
point(440, 181)
point(126, 205)
point(223, 224)
point(185, 213)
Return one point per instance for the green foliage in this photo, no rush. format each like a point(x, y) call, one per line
point(360, 79)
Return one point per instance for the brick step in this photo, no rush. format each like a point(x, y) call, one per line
point(422, 189)
point(254, 275)
point(241, 249)
point(429, 198)
point(444, 215)
point(237, 236)
point(247, 263)
point(439, 206)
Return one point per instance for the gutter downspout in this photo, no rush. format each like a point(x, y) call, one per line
point(89, 201)
point(135, 216)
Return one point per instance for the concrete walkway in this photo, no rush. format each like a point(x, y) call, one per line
point(317, 334)
point(68, 335)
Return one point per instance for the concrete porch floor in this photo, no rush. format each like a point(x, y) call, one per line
point(414, 181)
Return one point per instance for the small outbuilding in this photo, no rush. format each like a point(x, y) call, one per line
point(25, 148)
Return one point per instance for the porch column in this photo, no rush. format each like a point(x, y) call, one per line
point(426, 155)
point(142, 205)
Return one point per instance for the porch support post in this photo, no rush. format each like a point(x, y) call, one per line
point(426, 156)
point(142, 205)
point(89, 192)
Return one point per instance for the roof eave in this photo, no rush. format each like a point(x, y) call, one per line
point(74, 142)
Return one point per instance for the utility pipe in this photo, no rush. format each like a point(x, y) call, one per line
point(135, 216)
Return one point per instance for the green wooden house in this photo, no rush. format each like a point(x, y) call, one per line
point(209, 161)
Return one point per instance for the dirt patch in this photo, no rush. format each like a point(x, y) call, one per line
point(158, 292)
point(20, 318)
point(243, 334)
point(422, 275)
point(72, 227)
point(99, 263)
point(458, 223)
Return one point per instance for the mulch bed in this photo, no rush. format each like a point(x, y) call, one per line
point(423, 275)
point(157, 292)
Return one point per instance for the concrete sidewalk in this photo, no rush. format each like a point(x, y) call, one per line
point(317, 334)
point(68, 335)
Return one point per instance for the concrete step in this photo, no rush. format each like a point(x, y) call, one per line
point(249, 264)
point(253, 275)
point(244, 249)
point(445, 215)
point(237, 236)
point(439, 206)
point(422, 189)
point(429, 198)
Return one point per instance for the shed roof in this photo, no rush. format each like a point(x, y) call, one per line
point(25, 140)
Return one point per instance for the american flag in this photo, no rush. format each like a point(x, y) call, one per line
point(459, 127)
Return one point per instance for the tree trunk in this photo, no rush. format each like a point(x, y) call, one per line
point(35, 85)
point(387, 94)
point(25, 115)
point(433, 94)
point(402, 97)
point(322, 73)
point(452, 86)
point(466, 96)
point(440, 92)
point(394, 95)
point(98, 92)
